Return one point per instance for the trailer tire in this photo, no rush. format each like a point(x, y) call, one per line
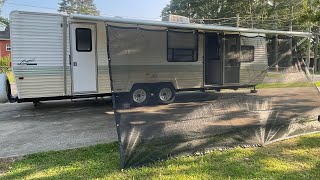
point(140, 95)
point(5, 93)
point(166, 94)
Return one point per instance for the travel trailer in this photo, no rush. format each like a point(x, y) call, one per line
point(59, 56)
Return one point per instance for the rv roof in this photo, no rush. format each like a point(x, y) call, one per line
point(188, 25)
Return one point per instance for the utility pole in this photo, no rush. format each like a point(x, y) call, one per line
point(251, 15)
point(238, 20)
point(290, 29)
point(315, 64)
point(309, 41)
point(276, 36)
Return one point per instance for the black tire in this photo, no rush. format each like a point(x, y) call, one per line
point(166, 94)
point(9, 95)
point(4, 89)
point(140, 95)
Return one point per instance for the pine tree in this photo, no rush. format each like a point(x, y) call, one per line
point(78, 7)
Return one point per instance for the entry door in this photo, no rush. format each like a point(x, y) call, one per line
point(213, 63)
point(231, 59)
point(84, 65)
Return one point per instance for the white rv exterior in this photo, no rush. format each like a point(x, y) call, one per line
point(52, 59)
point(41, 57)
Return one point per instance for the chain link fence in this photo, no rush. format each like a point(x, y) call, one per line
point(5, 69)
point(5, 64)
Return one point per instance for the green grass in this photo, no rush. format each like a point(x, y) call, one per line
point(284, 85)
point(287, 85)
point(297, 158)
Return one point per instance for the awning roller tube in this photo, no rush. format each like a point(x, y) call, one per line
point(188, 26)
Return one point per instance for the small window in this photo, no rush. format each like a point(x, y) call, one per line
point(8, 47)
point(180, 55)
point(182, 46)
point(83, 40)
point(247, 54)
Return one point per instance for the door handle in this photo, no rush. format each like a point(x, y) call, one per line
point(75, 64)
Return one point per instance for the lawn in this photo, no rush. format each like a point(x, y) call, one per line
point(286, 85)
point(297, 158)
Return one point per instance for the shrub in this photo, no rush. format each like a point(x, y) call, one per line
point(5, 61)
point(5, 64)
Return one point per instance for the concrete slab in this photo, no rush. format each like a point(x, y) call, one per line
point(25, 129)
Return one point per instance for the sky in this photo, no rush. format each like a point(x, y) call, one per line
point(142, 9)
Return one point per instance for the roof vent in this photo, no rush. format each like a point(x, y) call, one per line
point(176, 18)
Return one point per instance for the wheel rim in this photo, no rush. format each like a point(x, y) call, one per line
point(139, 95)
point(165, 94)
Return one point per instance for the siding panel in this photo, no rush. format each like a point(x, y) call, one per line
point(37, 37)
point(140, 56)
point(250, 73)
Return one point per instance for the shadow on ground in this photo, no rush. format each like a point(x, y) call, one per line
point(200, 122)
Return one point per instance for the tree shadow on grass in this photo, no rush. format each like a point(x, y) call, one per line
point(271, 162)
point(84, 163)
point(277, 161)
point(309, 142)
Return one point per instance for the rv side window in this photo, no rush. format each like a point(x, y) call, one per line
point(232, 47)
point(247, 54)
point(83, 40)
point(182, 46)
